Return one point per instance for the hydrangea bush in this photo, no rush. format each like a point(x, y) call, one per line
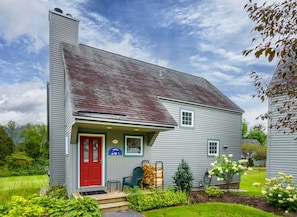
point(225, 169)
point(281, 192)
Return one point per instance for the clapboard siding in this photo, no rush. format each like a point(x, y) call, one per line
point(116, 167)
point(210, 123)
point(282, 147)
point(70, 158)
point(62, 28)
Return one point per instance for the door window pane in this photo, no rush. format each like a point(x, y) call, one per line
point(86, 150)
point(95, 151)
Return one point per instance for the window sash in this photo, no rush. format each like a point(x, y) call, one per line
point(187, 118)
point(213, 147)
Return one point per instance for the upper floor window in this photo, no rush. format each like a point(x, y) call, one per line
point(213, 147)
point(186, 118)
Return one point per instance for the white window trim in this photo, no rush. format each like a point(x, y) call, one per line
point(208, 146)
point(126, 145)
point(181, 118)
point(67, 145)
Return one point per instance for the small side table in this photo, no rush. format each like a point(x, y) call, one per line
point(117, 182)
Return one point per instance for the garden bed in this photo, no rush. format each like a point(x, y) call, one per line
point(236, 198)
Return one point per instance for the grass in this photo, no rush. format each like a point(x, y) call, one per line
point(248, 181)
point(24, 186)
point(209, 210)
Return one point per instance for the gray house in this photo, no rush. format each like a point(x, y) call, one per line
point(108, 113)
point(281, 147)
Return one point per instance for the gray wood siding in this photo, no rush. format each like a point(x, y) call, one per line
point(120, 166)
point(191, 144)
point(282, 148)
point(70, 159)
point(65, 30)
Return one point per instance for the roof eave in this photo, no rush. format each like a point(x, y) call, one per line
point(124, 123)
point(202, 105)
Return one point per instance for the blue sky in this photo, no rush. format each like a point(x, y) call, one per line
point(204, 38)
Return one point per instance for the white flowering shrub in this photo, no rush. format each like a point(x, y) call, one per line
point(224, 168)
point(280, 192)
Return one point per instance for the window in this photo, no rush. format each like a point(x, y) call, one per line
point(66, 145)
point(187, 118)
point(133, 145)
point(213, 147)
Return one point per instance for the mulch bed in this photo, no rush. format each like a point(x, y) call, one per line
point(235, 198)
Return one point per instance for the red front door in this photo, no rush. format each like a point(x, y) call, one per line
point(90, 161)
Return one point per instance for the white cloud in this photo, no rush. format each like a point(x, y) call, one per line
point(20, 18)
point(23, 102)
point(253, 108)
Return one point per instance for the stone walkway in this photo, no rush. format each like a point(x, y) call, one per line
point(124, 213)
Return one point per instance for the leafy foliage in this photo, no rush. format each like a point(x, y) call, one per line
point(54, 207)
point(18, 206)
point(257, 132)
point(244, 128)
point(253, 151)
point(34, 140)
point(183, 177)
point(6, 145)
point(158, 198)
point(18, 160)
point(225, 169)
point(12, 132)
point(276, 29)
point(213, 191)
point(281, 192)
point(58, 192)
point(24, 149)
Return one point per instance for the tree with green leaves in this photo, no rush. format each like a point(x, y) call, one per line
point(244, 128)
point(275, 37)
point(34, 141)
point(257, 132)
point(11, 129)
point(18, 160)
point(6, 145)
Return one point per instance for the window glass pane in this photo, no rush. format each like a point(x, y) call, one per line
point(134, 145)
point(213, 147)
point(86, 150)
point(187, 118)
point(95, 151)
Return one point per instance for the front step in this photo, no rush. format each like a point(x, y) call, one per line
point(112, 201)
point(112, 207)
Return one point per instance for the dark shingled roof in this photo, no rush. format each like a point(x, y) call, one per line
point(251, 142)
point(117, 87)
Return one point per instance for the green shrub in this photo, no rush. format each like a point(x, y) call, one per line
point(213, 191)
point(280, 192)
point(58, 192)
point(224, 169)
point(85, 207)
point(38, 206)
point(18, 206)
point(183, 177)
point(18, 160)
point(155, 199)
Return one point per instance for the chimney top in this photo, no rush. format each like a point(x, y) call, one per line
point(58, 10)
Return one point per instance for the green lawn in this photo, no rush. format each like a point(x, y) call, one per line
point(21, 185)
point(222, 209)
point(27, 185)
point(248, 181)
point(209, 210)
